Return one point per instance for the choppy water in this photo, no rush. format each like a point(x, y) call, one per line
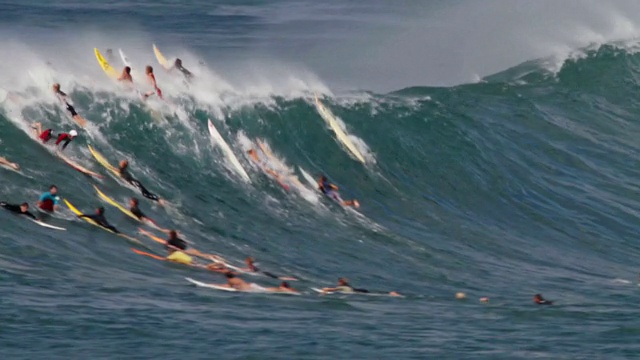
point(522, 183)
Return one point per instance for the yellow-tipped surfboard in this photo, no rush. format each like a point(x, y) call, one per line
point(104, 64)
point(161, 59)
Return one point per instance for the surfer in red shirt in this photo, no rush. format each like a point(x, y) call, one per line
point(152, 81)
point(47, 135)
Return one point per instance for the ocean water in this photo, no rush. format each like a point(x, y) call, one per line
point(501, 161)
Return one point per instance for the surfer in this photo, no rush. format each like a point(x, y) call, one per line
point(251, 267)
point(124, 173)
point(49, 200)
point(253, 154)
point(110, 57)
point(63, 98)
point(22, 209)
point(345, 287)
point(152, 80)
point(284, 287)
point(178, 65)
point(538, 299)
point(99, 218)
point(135, 210)
point(47, 135)
point(4, 161)
point(235, 282)
point(126, 75)
point(331, 191)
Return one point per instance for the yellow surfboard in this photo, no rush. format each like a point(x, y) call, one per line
point(78, 212)
point(112, 202)
point(103, 161)
point(111, 72)
point(161, 59)
point(340, 134)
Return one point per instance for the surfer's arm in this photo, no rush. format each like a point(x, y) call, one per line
point(30, 215)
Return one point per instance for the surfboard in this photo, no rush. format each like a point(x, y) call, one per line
point(43, 224)
point(104, 64)
point(112, 202)
point(340, 133)
point(231, 157)
point(125, 59)
point(103, 161)
point(308, 178)
point(78, 212)
point(78, 167)
point(210, 286)
point(161, 59)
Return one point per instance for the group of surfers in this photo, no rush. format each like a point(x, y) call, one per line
point(176, 247)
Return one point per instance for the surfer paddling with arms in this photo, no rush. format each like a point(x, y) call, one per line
point(251, 267)
point(346, 288)
point(151, 78)
point(46, 135)
point(63, 98)
point(125, 76)
point(253, 155)
point(178, 250)
point(177, 65)
point(100, 219)
point(331, 191)
point(135, 210)
point(123, 169)
point(5, 162)
point(283, 288)
point(49, 200)
point(22, 209)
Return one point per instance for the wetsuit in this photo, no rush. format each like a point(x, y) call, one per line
point(266, 273)
point(64, 137)
point(46, 135)
point(124, 173)
point(137, 212)
point(48, 201)
point(187, 74)
point(16, 209)
point(62, 96)
point(102, 221)
point(350, 289)
point(177, 243)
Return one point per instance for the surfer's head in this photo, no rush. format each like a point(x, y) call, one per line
point(343, 281)
point(56, 87)
point(148, 69)
point(73, 133)
point(173, 234)
point(53, 189)
point(100, 210)
point(285, 285)
point(249, 261)
point(133, 202)
point(229, 274)
point(178, 62)
point(127, 70)
point(124, 164)
point(24, 207)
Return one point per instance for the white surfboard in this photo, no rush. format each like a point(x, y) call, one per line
point(218, 140)
point(340, 134)
point(210, 286)
point(125, 59)
point(308, 178)
point(48, 225)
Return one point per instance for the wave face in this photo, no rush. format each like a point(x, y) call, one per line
point(524, 182)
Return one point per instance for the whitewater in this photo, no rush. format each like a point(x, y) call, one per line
point(500, 142)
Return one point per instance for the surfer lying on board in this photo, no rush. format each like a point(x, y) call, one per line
point(251, 267)
point(152, 80)
point(124, 173)
point(126, 75)
point(135, 210)
point(47, 135)
point(178, 66)
point(235, 282)
point(253, 154)
point(22, 209)
point(49, 200)
point(14, 166)
point(538, 299)
point(63, 98)
point(345, 287)
point(331, 191)
point(99, 218)
point(284, 287)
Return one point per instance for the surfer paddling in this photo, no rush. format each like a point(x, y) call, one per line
point(177, 65)
point(100, 219)
point(253, 155)
point(63, 98)
point(346, 288)
point(49, 200)
point(22, 209)
point(125, 76)
point(283, 288)
point(135, 210)
point(151, 78)
point(178, 250)
point(331, 191)
point(46, 135)
point(251, 267)
point(5, 162)
point(123, 169)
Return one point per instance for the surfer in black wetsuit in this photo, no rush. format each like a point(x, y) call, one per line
point(63, 98)
point(22, 209)
point(345, 287)
point(124, 173)
point(99, 218)
point(135, 210)
point(178, 65)
point(175, 243)
point(538, 299)
point(251, 267)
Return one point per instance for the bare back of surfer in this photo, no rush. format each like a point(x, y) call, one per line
point(5, 162)
point(235, 282)
point(283, 288)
